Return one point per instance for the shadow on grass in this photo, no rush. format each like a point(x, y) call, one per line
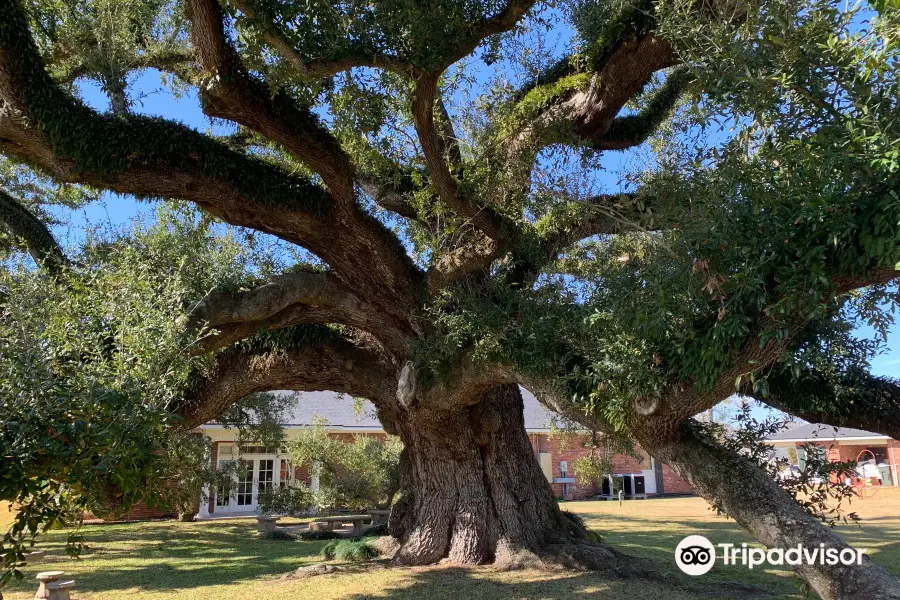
point(168, 556)
point(458, 583)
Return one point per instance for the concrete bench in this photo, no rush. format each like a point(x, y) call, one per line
point(266, 524)
point(59, 590)
point(379, 515)
point(357, 520)
point(46, 578)
point(35, 556)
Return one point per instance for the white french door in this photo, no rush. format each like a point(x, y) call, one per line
point(257, 476)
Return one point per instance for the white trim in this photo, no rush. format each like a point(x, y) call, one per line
point(343, 428)
point(833, 439)
point(299, 427)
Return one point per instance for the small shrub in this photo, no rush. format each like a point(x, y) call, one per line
point(315, 536)
point(353, 551)
point(288, 500)
point(279, 534)
point(376, 530)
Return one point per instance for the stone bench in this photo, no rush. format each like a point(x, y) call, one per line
point(59, 590)
point(379, 515)
point(266, 524)
point(46, 578)
point(357, 520)
point(35, 556)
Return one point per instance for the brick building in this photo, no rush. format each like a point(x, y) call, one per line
point(842, 444)
point(347, 418)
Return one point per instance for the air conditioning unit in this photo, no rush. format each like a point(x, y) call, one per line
point(639, 484)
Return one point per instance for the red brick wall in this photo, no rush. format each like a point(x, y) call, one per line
point(894, 459)
point(571, 448)
point(673, 483)
point(142, 512)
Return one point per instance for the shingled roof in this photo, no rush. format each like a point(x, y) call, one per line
point(812, 432)
point(344, 412)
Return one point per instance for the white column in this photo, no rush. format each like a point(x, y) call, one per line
point(204, 505)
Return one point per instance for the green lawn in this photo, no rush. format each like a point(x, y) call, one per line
point(223, 560)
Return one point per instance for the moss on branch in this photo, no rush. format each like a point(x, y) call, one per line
point(102, 146)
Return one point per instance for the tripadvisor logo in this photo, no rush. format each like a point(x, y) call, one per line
point(696, 555)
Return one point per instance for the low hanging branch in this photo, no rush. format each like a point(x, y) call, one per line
point(855, 399)
point(315, 360)
point(311, 288)
point(301, 297)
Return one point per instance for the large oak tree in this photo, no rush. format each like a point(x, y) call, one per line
point(463, 249)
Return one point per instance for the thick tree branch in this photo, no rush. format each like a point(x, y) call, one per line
point(749, 495)
point(380, 261)
point(472, 257)
point(232, 93)
point(288, 300)
point(681, 400)
point(220, 308)
point(37, 237)
point(856, 399)
point(45, 127)
point(633, 130)
point(446, 186)
point(389, 196)
point(337, 365)
point(586, 108)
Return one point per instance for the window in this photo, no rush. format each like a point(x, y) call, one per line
point(244, 492)
point(266, 475)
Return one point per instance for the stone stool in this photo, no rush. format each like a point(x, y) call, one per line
point(46, 578)
point(59, 590)
point(266, 524)
point(35, 556)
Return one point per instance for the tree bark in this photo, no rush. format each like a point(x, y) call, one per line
point(473, 492)
point(750, 496)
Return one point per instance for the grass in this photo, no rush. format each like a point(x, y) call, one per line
point(224, 560)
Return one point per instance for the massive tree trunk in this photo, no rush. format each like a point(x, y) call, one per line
point(474, 493)
point(750, 496)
